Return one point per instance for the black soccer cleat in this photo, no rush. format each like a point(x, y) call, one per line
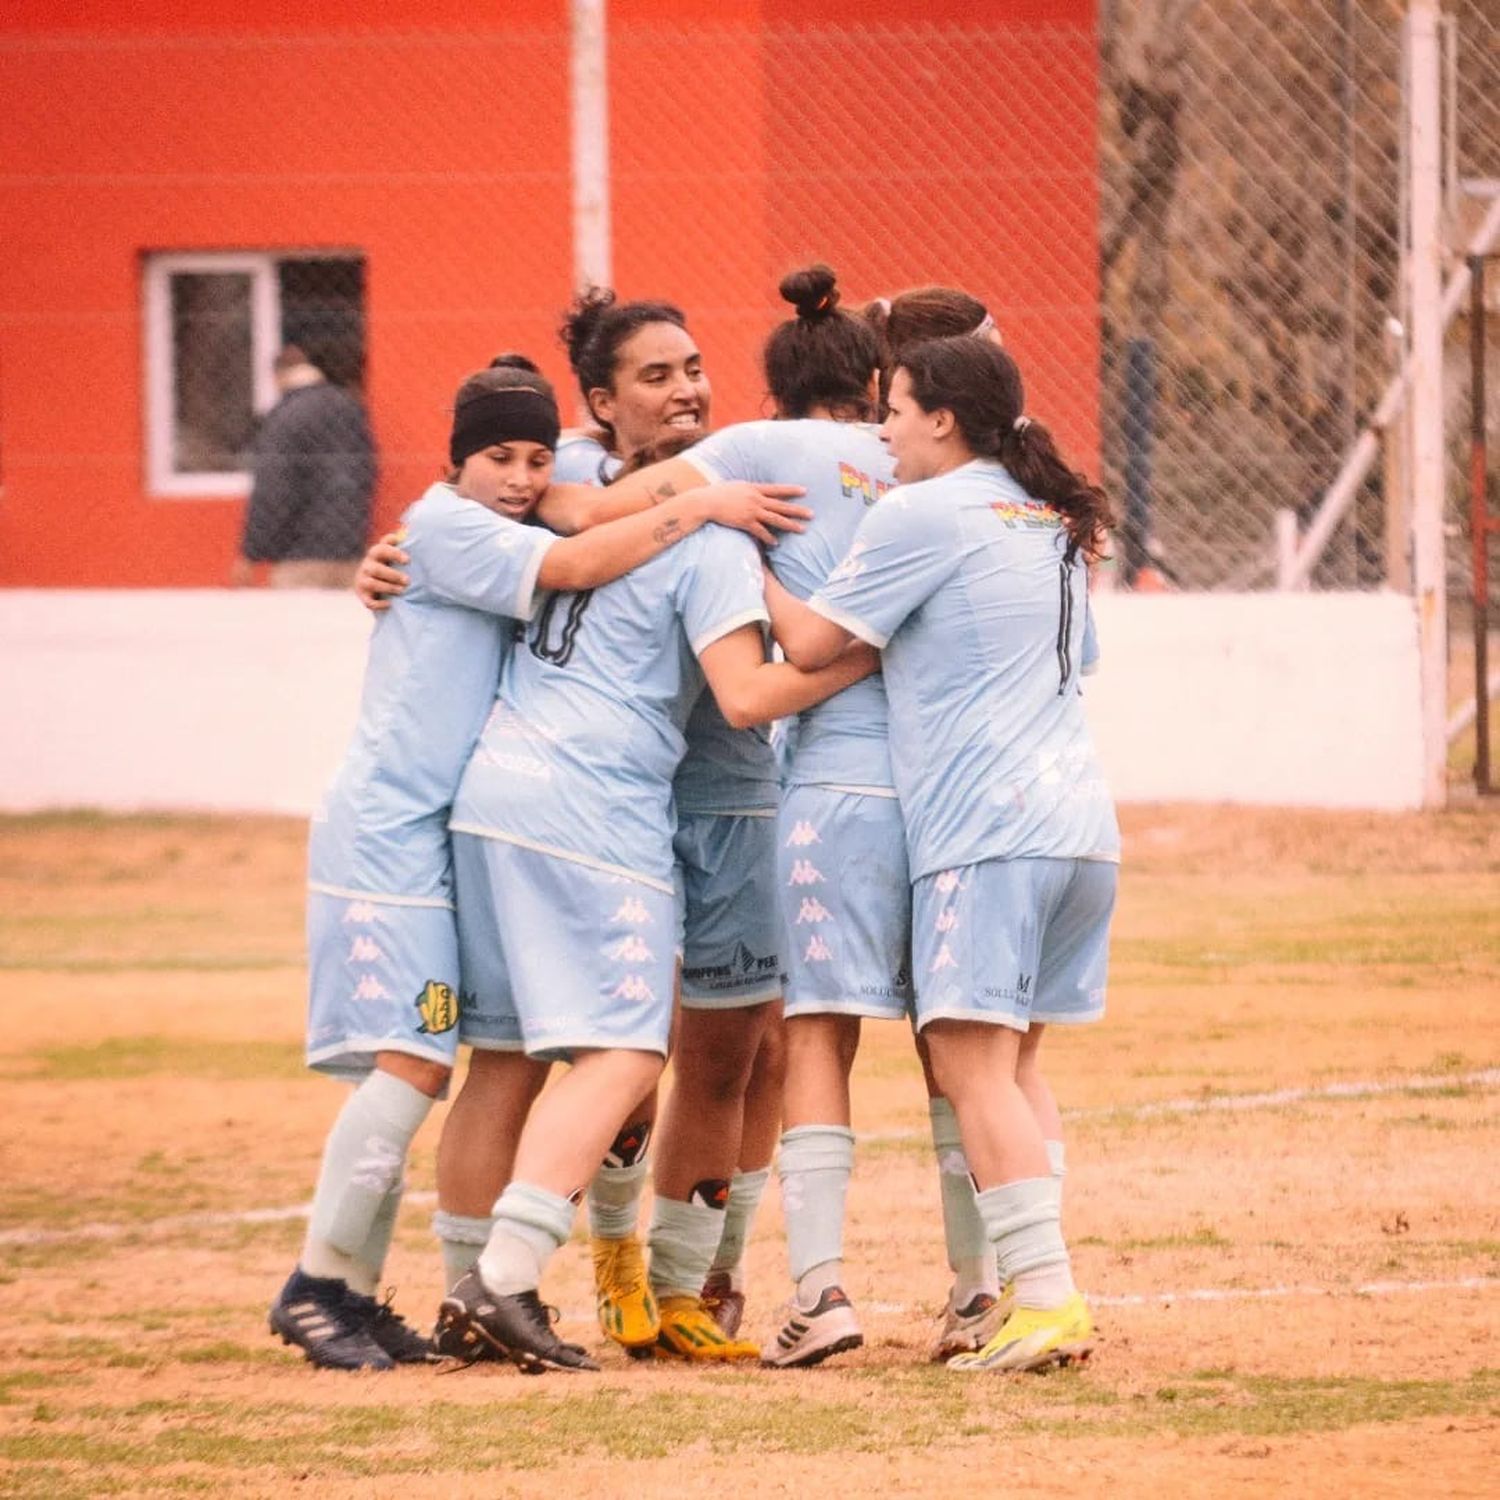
point(391, 1331)
point(313, 1313)
point(517, 1327)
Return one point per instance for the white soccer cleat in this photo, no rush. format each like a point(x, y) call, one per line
point(810, 1337)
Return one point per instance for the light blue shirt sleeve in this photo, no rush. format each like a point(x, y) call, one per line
point(904, 551)
point(474, 558)
point(747, 451)
point(722, 589)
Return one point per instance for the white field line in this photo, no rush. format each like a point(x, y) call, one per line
point(1225, 1103)
point(1485, 1078)
point(1253, 1293)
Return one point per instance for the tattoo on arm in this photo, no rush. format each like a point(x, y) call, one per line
point(666, 490)
point(668, 531)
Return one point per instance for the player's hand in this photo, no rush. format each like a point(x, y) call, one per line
point(241, 573)
point(379, 577)
point(756, 508)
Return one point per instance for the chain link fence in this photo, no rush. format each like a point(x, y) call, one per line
point(1185, 219)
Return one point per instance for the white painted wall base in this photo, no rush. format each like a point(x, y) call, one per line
point(214, 700)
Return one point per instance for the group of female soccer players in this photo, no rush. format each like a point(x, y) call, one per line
point(607, 860)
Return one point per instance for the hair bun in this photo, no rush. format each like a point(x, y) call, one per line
point(510, 360)
point(813, 291)
point(583, 318)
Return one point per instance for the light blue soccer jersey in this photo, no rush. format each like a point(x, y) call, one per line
point(578, 756)
point(725, 770)
point(582, 459)
point(844, 468)
point(430, 679)
point(963, 583)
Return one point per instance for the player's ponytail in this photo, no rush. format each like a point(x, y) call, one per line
point(981, 385)
point(822, 358)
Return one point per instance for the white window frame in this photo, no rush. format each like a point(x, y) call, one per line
point(162, 479)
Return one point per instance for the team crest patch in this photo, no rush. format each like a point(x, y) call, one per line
point(438, 1007)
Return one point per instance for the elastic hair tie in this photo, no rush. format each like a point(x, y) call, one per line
point(983, 326)
point(824, 302)
point(884, 304)
point(1020, 425)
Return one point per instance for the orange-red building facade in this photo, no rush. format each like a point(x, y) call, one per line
point(901, 142)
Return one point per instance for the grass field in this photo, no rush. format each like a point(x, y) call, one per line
point(1283, 1198)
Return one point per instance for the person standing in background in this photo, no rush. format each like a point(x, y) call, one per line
point(314, 466)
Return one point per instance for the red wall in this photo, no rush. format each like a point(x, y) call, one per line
point(746, 138)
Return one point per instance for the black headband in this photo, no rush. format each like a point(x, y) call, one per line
point(519, 415)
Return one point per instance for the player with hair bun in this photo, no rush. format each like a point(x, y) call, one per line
point(971, 579)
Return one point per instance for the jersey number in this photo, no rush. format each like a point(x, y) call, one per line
point(559, 653)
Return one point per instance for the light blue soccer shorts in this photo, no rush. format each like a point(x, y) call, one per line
point(487, 1019)
point(383, 976)
point(726, 879)
point(845, 902)
point(1012, 941)
point(588, 953)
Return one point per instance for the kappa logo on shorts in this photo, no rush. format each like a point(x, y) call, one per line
point(631, 950)
point(438, 1007)
point(633, 987)
point(944, 960)
point(812, 910)
point(359, 911)
point(818, 952)
point(802, 835)
point(948, 881)
point(633, 910)
point(946, 920)
point(370, 988)
point(805, 872)
point(365, 950)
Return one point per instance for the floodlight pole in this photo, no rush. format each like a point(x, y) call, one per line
point(589, 83)
point(1424, 262)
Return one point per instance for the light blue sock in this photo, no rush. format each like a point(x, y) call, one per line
point(745, 1190)
point(362, 1167)
point(682, 1238)
point(377, 1245)
point(814, 1166)
point(615, 1200)
point(1025, 1222)
point(462, 1238)
point(971, 1257)
point(530, 1225)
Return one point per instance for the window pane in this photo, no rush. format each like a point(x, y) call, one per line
point(213, 408)
point(322, 312)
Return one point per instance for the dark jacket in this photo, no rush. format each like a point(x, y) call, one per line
point(313, 460)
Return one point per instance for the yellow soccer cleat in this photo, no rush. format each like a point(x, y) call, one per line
point(1034, 1338)
point(688, 1331)
point(626, 1304)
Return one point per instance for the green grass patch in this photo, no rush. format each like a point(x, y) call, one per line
point(857, 1411)
point(125, 1057)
